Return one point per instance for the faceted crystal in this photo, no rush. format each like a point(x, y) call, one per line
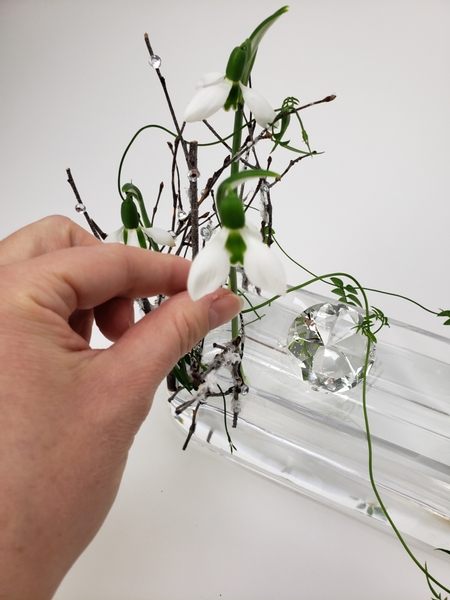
point(327, 348)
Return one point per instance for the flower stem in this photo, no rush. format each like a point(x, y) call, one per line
point(236, 146)
point(237, 138)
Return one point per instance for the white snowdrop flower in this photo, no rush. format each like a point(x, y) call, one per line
point(212, 93)
point(131, 236)
point(229, 247)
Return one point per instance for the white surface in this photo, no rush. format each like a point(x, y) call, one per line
point(76, 86)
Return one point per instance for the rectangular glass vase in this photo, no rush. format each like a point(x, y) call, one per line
point(315, 441)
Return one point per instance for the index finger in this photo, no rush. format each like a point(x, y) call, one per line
point(86, 277)
point(44, 236)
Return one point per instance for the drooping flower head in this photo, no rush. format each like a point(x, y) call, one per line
point(237, 243)
point(131, 232)
point(215, 90)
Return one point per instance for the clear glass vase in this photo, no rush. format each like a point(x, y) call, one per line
point(315, 442)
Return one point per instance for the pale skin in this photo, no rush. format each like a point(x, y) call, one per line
point(69, 413)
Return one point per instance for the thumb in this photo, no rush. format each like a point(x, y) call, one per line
point(148, 351)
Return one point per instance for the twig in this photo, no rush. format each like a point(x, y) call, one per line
point(214, 132)
point(155, 208)
point(166, 93)
point(175, 175)
point(101, 235)
point(288, 168)
point(193, 196)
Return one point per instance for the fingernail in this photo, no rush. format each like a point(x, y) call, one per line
point(224, 306)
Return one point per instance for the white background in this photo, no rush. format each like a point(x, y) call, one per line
point(75, 87)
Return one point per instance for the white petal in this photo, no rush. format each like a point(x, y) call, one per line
point(210, 79)
point(210, 267)
point(115, 237)
point(261, 109)
point(207, 101)
point(262, 265)
point(133, 239)
point(160, 236)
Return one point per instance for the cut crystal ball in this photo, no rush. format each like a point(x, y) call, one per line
point(327, 348)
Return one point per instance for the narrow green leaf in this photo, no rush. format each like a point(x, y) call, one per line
point(255, 40)
point(354, 299)
point(351, 289)
point(292, 149)
point(370, 335)
point(182, 376)
point(337, 291)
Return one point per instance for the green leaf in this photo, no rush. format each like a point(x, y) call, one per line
point(183, 377)
point(354, 299)
point(351, 289)
point(337, 291)
point(443, 550)
point(337, 282)
point(292, 149)
point(370, 335)
point(255, 40)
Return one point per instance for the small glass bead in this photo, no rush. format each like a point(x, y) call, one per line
point(193, 175)
point(80, 207)
point(155, 61)
point(205, 233)
point(182, 216)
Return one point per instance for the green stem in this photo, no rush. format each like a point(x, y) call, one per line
point(236, 146)
point(367, 289)
point(237, 138)
point(145, 220)
point(119, 174)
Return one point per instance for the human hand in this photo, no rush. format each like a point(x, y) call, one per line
point(69, 413)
